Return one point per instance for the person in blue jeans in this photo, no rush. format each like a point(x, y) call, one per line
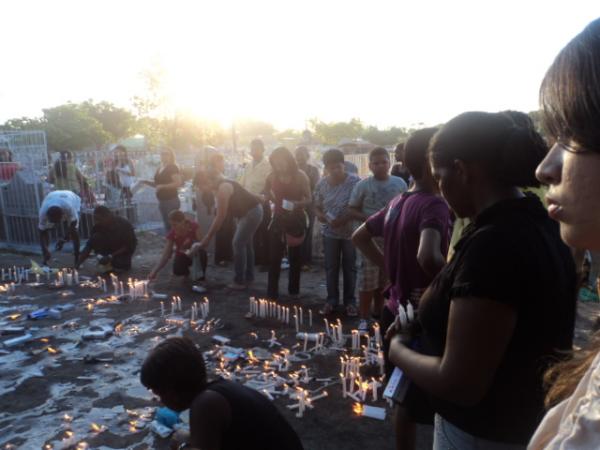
point(332, 196)
point(232, 200)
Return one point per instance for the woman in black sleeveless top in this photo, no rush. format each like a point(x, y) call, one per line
point(223, 414)
point(232, 200)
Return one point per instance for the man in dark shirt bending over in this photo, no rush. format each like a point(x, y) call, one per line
point(113, 238)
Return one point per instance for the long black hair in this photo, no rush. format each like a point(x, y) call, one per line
point(570, 91)
point(287, 156)
point(509, 153)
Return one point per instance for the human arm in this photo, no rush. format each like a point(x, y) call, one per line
point(223, 196)
point(363, 240)
point(429, 253)
point(175, 177)
point(478, 334)
point(166, 255)
point(210, 417)
point(356, 202)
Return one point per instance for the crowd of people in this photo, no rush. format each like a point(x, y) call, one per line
point(456, 233)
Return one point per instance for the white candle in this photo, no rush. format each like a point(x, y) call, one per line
point(162, 309)
point(402, 316)
point(76, 277)
point(310, 318)
point(37, 277)
point(410, 312)
point(305, 341)
point(173, 307)
point(301, 316)
point(327, 327)
point(377, 333)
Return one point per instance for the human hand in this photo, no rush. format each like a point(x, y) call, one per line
point(178, 438)
point(393, 329)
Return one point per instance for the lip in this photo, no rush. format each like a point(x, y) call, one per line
point(555, 209)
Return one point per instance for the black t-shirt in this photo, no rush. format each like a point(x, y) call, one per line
point(108, 239)
point(165, 176)
point(256, 424)
point(512, 254)
point(241, 201)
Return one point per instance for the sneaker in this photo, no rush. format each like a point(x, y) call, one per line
point(199, 289)
point(363, 326)
point(326, 309)
point(351, 311)
point(285, 264)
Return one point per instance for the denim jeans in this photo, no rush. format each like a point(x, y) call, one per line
point(165, 207)
point(277, 248)
point(449, 437)
point(336, 249)
point(243, 245)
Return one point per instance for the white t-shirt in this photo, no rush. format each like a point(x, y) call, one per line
point(125, 177)
point(573, 424)
point(67, 201)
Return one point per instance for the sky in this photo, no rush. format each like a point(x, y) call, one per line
point(285, 61)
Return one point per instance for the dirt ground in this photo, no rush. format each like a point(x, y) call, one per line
point(37, 388)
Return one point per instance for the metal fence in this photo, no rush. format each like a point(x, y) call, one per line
point(25, 181)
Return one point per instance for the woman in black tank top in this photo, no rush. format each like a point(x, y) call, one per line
point(223, 414)
point(232, 200)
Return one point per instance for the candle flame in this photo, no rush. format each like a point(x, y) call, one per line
point(96, 428)
point(90, 307)
point(69, 434)
point(358, 409)
point(48, 447)
point(82, 446)
point(52, 350)
point(68, 418)
point(45, 340)
point(14, 316)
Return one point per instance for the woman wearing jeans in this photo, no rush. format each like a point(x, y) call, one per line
point(234, 201)
point(167, 180)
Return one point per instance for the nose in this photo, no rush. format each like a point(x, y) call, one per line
point(550, 169)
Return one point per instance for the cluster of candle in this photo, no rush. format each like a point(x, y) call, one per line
point(266, 309)
point(351, 379)
point(135, 288)
point(317, 338)
point(8, 288)
point(335, 332)
point(204, 310)
point(304, 401)
point(17, 274)
point(67, 277)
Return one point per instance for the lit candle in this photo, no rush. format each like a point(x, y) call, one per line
point(296, 321)
point(343, 381)
point(327, 327)
point(305, 341)
point(162, 309)
point(310, 318)
point(301, 316)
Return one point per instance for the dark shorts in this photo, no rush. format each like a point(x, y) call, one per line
point(416, 401)
point(181, 264)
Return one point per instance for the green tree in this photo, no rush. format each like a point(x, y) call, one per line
point(23, 123)
point(331, 133)
point(118, 122)
point(387, 137)
point(70, 127)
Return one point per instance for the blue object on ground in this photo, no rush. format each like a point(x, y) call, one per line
point(167, 417)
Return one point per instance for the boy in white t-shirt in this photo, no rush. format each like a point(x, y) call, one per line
point(368, 197)
point(57, 207)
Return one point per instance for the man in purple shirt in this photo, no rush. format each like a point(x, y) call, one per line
point(415, 227)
